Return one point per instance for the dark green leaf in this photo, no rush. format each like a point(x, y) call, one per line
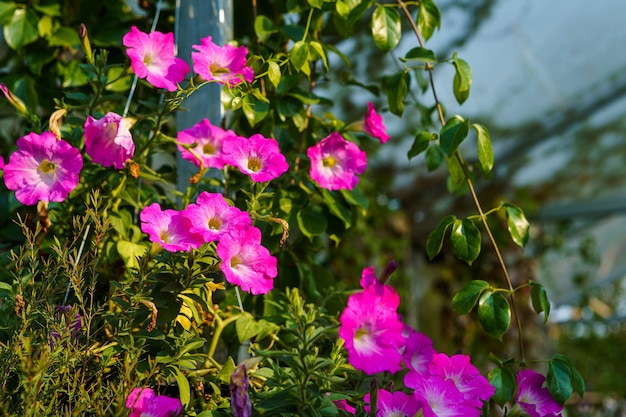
point(559, 381)
point(311, 222)
point(539, 299)
point(420, 54)
point(264, 28)
point(397, 87)
point(462, 79)
point(457, 175)
point(386, 28)
point(337, 207)
point(21, 29)
point(517, 224)
point(494, 313)
point(428, 18)
point(465, 240)
point(577, 379)
point(420, 144)
point(485, 150)
point(254, 109)
point(435, 238)
point(356, 197)
point(316, 3)
point(434, 156)
point(453, 134)
point(503, 380)
point(6, 11)
point(465, 300)
point(50, 8)
point(64, 36)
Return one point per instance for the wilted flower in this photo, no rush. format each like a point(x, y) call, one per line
point(42, 169)
point(143, 402)
point(374, 125)
point(211, 216)
point(170, 228)
point(533, 397)
point(394, 404)
point(152, 57)
point(208, 140)
point(224, 65)
point(245, 262)
point(240, 402)
point(108, 140)
point(259, 157)
point(335, 163)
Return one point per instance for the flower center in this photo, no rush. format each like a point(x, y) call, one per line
point(235, 261)
point(329, 162)
point(46, 167)
point(216, 68)
point(147, 59)
point(164, 236)
point(208, 149)
point(214, 223)
point(254, 164)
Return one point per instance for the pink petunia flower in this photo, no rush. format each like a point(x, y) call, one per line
point(224, 65)
point(343, 405)
point(208, 140)
point(170, 228)
point(42, 169)
point(152, 57)
point(245, 262)
point(211, 216)
point(533, 397)
point(335, 163)
point(418, 351)
point(475, 388)
point(108, 140)
point(374, 125)
point(143, 402)
point(259, 157)
point(394, 404)
point(439, 397)
point(372, 330)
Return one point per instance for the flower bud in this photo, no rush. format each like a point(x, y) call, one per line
point(84, 41)
point(15, 101)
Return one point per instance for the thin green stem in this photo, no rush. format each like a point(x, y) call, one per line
point(470, 185)
point(221, 324)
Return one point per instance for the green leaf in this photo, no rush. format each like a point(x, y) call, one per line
point(130, 251)
point(386, 28)
point(247, 327)
point(6, 11)
point(184, 390)
point(435, 238)
point(494, 313)
point(465, 300)
point(311, 222)
point(559, 381)
point(517, 224)
point(356, 197)
point(300, 55)
point(428, 18)
point(50, 8)
point(465, 240)
point(120, 85)
point(64, 36)
point(503, 380)
point(337, 208)
point(462, 79)
point(227, 370)
point(264, 28)
point(254, 109)
point(21, 29)
point(457, 175)
point(577, 379)
point(420, 54)
point(539, 299)
point(397, 86)
point(453, 134)
point(319, 49)
point(485, 151)
point(273, 72)
point(420, 144)
point(434, 156)
point(316, 3)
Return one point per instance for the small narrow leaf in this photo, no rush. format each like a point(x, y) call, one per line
point(428, 18)
point(465, 300)
point(503, 380)
point(386, 28)
point(494, 313)
point(465, 240)
point(420, 144)
point(462, 79)
point(559, 381)
point(485, 150)
point(539, 299)
point(517, 224)
point(435, 238)
point(453, 134)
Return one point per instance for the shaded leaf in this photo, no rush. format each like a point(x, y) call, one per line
point(434, 156)
point(578, 381)
point(517, 224)
point(420, 144)
point(311, 222)
point(420, 54)
point(435, 238)
point(453, 134)
point(21, 29)
point(539, 299)
point(397, 87)
point(494, 313)
point(465, 240)
point(503, 380)
point(462, 79)
point(465, 300)
point(559, 381)
point(485, 150)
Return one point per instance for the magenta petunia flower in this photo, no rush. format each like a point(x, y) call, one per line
point(343, 405)
point(394, 404)
point(108, 140)
point(42, 169)
point(372, 330)
point(533, 397)
point(170, 228)
point(418, 351)
point(222, 64)
point(335, 163)
point(374, 125)
point(245, 262)
point(211, 216)
point(439, 397)
point(259, 157)
point(208, 140)
point(152, 57)
point(475, 388)
point(143, 402)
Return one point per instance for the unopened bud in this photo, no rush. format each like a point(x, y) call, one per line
point(84, 41)
point(56, 120)
point(15, 101)
point(389, 269)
